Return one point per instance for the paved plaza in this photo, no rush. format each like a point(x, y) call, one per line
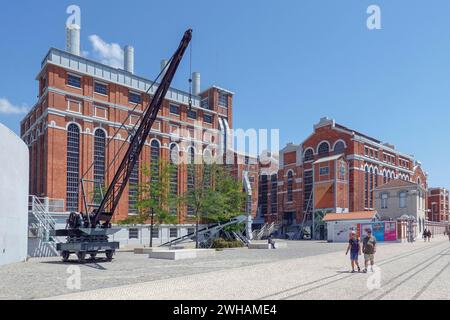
point(304, 270)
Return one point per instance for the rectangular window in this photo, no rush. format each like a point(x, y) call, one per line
point(133, 233)
point(156, 126)
point(174, 109)
point(192, 114)
point(155, 233)
point(208, 118)
point(173, 232)
point(384, 200)
point(100, 112)
point(323, 171)
point(100, 88)
point(223, 99)
point(134, 97)
point(402, 199)
point(204, 103)
point(74, 81)
point(175, 130)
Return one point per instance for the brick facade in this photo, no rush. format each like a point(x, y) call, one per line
point(336, 169)
point(63, 101)
point(438, 205)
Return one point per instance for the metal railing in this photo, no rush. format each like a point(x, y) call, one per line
point(41, 223)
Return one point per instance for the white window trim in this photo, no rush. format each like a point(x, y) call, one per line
point(102, 83)
point(74, 101)
point(103, 108)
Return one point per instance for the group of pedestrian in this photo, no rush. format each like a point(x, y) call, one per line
point(426, 235)
point(368, 248)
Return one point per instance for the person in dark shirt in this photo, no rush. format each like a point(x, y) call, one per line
point(355, 249)
point(369, 249)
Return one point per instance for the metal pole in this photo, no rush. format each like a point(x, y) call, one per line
point(151, 228)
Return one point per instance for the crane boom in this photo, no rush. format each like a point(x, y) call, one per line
point(111, 198)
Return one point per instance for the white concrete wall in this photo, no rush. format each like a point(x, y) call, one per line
point(13, 197)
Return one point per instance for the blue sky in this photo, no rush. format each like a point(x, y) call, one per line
point(289, 62)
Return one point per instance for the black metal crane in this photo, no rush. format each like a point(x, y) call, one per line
point(88, 233)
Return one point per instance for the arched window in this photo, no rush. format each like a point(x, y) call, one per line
point(309, 155)
point(366, 188)
point(376, 178)
point(339, 147)
point(324, 149)
point(290, 184)
point(73, 166)
point(99, 163)
point(155, 152)
point(174, 156)
point(371, 180)
point(133, 187)
point(385, 178)
point(191, 178)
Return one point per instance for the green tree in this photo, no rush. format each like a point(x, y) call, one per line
point(213, 194)
point(155, 199)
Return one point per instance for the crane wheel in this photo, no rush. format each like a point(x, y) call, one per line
point(81, 256)
point(109, 255)
point(65, 256)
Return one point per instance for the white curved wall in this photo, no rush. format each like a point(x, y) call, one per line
point(13, 197)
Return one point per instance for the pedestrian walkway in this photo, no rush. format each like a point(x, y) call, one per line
point(403, 271)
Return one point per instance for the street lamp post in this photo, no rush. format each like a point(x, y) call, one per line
point(151, 227)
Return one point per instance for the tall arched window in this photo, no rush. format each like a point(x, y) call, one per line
point(174, 156)
point(376, 178)
point(191, 177)
point(99, 157)
point(73, 166)
point(371, 188)
point(339, 147)
point(309, 155)
point(324, 149)
point(366, 188)
point(385, 177)
point(154, 159)
point(133, 187)
point(290, 184)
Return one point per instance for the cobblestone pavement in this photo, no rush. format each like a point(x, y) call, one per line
point(305, 270)
point(40, 278)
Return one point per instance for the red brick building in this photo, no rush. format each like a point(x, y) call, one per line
point(438, 208)
point(336, 169)
point(82, 103)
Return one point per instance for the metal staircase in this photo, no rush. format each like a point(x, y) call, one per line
point(40, 226)
point(40, 222)
point(266, 230)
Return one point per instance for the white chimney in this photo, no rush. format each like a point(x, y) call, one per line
point(196, 83)
point(128, 59)
point(164, 63)
point(73, 39)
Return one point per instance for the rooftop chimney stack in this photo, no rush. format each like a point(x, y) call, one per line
point(73, 39)
point(196, 83)
point(129, 58)
point(164, 63)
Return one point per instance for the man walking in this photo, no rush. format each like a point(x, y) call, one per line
point(355, 249)
point(369, 249)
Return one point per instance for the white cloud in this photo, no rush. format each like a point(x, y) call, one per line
point(7, 107)
point(107, 53)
